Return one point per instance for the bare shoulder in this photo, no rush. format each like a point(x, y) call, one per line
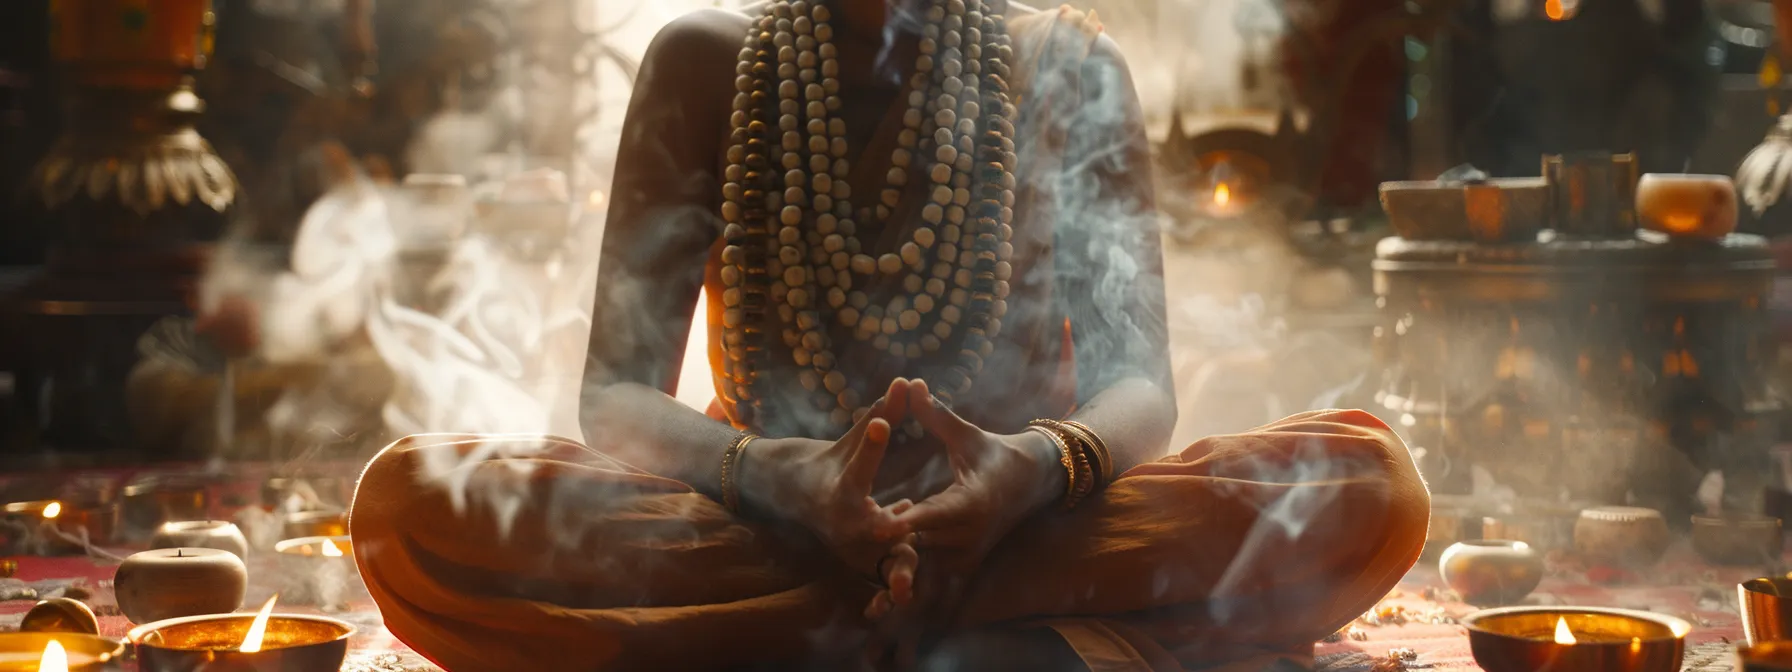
point(699, 35)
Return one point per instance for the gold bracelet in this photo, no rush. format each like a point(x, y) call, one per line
point(730, 463)
point(1103, 458)
point(1066, 457)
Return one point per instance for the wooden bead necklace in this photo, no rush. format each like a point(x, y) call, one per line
point(791, 229)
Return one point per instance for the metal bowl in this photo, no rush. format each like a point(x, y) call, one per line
point(86, 653)
point(293, 643)
point(1737, 539)
point(1764, 657)
point(1522, 639)
point(1622, 536)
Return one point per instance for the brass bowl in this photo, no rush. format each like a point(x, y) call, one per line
point(86, 653)
point(1492, 572)
point(1737, 539)
point(1621, 536)
point(1766, 605)
point(293, 643)
point(1522, 639)
point(1764, 657)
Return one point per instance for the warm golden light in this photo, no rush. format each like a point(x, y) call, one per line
point(258, 629)
point(1563, 635)
point(1553, 9)
point(53, 510)
point(1222, 195)
point(330, 549)
point(55, 658)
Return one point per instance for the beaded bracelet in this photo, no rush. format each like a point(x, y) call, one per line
point(731, 462)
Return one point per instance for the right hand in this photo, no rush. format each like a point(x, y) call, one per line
point(826, 487)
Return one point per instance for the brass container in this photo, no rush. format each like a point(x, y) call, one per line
point(1490, 572)
point(86, 653)
point(1738, 539)
point(138, 44)
point(1766, 605)
point(292, 643)
point(149, 502)
point(61, 614)
point(1621, 536)
point(1523, 639)
point(1764, 657)
point(1592, 194)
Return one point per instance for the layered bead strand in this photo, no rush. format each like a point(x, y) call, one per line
point(794, 240)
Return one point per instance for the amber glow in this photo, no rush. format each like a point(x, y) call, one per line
point(1222, 195)
point(330, 549)
point(55, 658)
point(258, 629)
point(1553, 9)
point(53, 510)
point(1563, 635)
point(1636, 645)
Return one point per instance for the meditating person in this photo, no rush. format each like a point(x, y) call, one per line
point(936, 330)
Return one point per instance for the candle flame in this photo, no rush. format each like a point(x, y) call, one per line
point(53, 510)
point(1222, 195)
point(1563, 635)
point(1636, 645)
point(258, 629)
point(330, 549)
point(55, 658)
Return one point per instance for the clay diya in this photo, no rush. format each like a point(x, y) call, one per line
point(59, 652)
point(1766, 605)
point(216, 534)
point(1737, 539)
point(1582, 639)
point(166, 583)
point(260, 642)
point(1491, 572)
point(64, 517)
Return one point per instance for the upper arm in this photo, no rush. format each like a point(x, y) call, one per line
point(662, 216)
point(1109, 252)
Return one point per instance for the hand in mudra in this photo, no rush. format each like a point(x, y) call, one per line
point(998, 481)
point(826, 486)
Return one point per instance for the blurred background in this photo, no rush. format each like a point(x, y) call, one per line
point(407, 199)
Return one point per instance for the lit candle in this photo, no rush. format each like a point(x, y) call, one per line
point(1564, 636)
point(1687, 206)
point(168, 583)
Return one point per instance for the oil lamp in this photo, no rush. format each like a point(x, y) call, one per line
point(59, 652)
point(1584, 639)
point(260, 642)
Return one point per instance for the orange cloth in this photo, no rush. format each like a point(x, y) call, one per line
point(531, 553)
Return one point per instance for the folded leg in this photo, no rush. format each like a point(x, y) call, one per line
point(528, 552)
point(1239, 545)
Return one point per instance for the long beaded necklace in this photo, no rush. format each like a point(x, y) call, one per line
point(791, 228)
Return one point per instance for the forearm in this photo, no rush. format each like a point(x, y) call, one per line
point(1134, 417)
point(650, 430)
